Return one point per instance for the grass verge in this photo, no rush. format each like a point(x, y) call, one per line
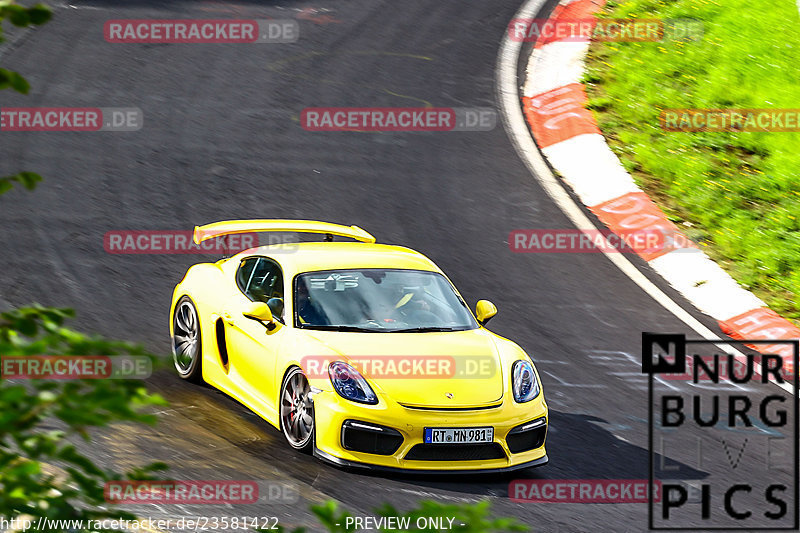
point(736, 193)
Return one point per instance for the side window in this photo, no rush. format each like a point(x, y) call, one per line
point(261, 280)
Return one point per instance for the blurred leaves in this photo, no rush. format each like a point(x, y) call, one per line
point(21, 17)
point(13, 80)
point(427, 516)
point(332, 517)
point(42, 473)
point(26, 179)
point(456, 518)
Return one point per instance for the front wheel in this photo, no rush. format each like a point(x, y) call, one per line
point(187, 351)
point(297, 411)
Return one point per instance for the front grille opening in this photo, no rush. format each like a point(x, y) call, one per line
point(455, 452)
point(528, 436)
point(370, 438)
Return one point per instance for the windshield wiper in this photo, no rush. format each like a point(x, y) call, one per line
point(344, 328)
point(424, 329)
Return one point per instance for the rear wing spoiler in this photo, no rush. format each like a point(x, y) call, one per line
point(232, 227)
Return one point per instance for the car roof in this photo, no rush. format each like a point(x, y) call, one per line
point(295, 258)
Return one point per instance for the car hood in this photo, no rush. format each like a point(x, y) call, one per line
point(438, 369)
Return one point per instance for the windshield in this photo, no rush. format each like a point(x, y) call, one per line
point(379, 300)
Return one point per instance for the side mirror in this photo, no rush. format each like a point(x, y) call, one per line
point(261, 312)
point(484, 311)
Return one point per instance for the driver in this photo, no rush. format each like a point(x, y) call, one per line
point(416, 308)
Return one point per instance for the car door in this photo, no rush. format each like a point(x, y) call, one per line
point(252, 347)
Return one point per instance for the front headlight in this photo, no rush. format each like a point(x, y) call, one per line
point(350, 384)
point(524, 382)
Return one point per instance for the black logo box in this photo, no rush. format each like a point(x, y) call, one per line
point(678, 366)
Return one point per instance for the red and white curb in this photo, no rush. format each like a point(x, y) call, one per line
point(554, 99)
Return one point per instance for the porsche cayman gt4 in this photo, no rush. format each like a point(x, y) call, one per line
point(363, 354)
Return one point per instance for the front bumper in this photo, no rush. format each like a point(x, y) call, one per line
point(331, 412)
point(391, 470)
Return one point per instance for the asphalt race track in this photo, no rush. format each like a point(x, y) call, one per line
point(222, 140)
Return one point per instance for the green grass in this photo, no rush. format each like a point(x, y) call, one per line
point(736, 194)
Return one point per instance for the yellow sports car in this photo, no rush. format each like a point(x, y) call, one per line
point(362, 353)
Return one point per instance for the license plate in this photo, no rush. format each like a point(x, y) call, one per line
point(458, 435)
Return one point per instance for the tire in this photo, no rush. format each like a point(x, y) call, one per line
point(187, 345)
point(297, 411)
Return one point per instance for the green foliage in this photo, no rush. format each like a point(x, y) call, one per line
point(26, 179)
point(740, 191)
point(466, 518)
point(13, 80)
point(42, 474)
point(22, 16)
point(19, 16)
